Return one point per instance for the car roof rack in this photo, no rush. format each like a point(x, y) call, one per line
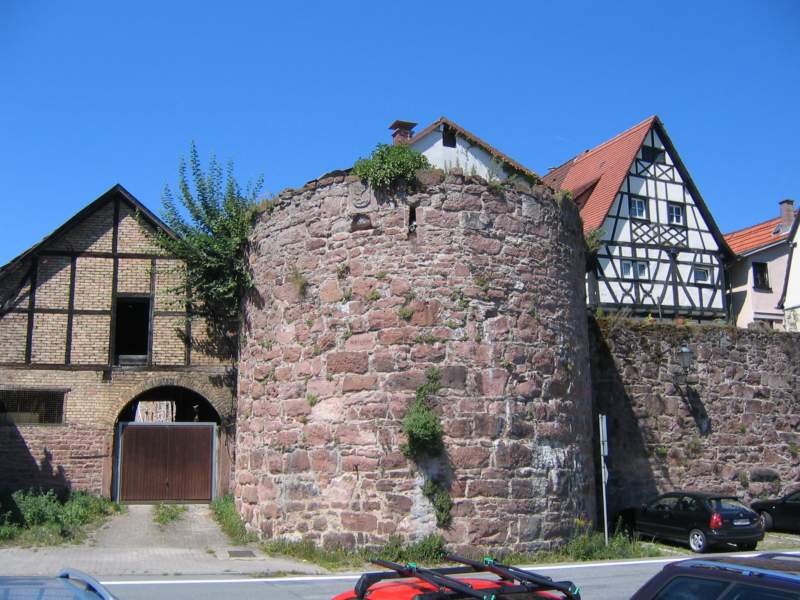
point(87, 580)
point(449, 588)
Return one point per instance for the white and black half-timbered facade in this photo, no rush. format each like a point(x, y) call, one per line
point(659, 251)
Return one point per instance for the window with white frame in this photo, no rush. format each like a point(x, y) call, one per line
point(635, 269)
point(702, 275)
point(674, 213)
point(637, 207)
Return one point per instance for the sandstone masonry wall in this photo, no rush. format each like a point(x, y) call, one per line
point(732, 425)
point(354, 302)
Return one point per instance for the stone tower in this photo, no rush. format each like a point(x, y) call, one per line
point(358, 295)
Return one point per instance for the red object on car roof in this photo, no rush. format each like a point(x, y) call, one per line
point(408, 589)
point(418, 583)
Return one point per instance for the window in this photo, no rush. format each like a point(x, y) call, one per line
point(637, 208)
point(760, 276)
point(651, 155)
point(31, 406)
point(663, 504)
point(635, 269)
point(132, 331)
point(448, 137)
point(674, 213)
point(691, 587)
point(702, 275)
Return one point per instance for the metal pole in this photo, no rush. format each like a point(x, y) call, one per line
point(604, 470)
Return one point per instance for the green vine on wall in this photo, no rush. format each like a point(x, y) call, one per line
point(425, 440)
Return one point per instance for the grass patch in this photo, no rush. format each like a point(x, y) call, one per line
point(42, 518)
point(585, 545)
point(224, 510)
point(429, 549)
point(164, 514)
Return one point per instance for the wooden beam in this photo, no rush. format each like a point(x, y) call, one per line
point(151, 318)
point(70, 310)
point(114, 283)
point(31, 307)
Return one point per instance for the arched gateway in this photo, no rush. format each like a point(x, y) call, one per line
point(167, 447)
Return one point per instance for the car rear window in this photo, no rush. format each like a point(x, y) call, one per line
point(754, 592)
point(721, 504)
point(684, 587)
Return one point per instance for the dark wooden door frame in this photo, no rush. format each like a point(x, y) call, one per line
point(117, 474)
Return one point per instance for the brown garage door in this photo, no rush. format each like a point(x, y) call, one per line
point(166, 463)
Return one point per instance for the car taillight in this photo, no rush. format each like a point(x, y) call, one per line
point(716, 521)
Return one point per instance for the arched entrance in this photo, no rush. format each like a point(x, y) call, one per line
point(166, 447)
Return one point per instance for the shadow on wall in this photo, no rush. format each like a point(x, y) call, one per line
point(631, 478)
point(19, 469)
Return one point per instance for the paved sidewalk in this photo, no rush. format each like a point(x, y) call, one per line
point(132, 544)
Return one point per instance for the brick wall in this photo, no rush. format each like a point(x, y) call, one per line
point(733, 425)
point(77, 452)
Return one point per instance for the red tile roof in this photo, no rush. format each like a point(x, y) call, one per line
point(756, 236)
point(600, 173)
point(474, 138)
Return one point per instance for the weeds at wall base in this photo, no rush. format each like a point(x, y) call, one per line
point(226, 515)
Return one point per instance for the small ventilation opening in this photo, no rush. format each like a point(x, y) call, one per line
point(412, 220)
point(448, 137)
point(132, 331)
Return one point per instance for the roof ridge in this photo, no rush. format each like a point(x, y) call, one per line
point(753, 226)
point(648, 121)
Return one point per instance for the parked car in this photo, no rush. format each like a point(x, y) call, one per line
point(781, 513)
point(418, 583)
point(698, 519)
point(69, 585)
point(771, 576)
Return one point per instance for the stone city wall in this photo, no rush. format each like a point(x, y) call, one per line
point(730, 424)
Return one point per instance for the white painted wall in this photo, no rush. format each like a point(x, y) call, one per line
point(472, 159)
point(791, 304)
point(748, 303)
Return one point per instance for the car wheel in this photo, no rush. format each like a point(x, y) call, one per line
point(766, 521)
point(747, 547)
point(697, 541)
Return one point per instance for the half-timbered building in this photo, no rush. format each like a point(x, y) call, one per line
point(659, 251)
point(102, 386)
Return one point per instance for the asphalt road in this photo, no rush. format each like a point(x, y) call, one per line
point(606, 581)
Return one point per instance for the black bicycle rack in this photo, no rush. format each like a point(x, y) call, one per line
point(511, 580)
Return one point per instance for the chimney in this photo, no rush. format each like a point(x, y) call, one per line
point(787, 214)
point(402, 132)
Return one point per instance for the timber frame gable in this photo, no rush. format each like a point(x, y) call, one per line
point(660, 252)
point(59, 299)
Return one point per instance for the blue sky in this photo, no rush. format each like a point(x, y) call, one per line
point(95, 93)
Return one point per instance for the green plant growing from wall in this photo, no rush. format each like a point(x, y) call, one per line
point(793, 449)
point(373, 295)
point(389, 165)
point(405, 312)
point(426, 440)
point(421, 425)
point(211, 217)
point(342, 270)
point(299, 281)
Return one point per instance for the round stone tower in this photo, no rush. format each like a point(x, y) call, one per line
point(360, 299)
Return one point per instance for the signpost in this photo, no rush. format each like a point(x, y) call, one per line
point(604, 470)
